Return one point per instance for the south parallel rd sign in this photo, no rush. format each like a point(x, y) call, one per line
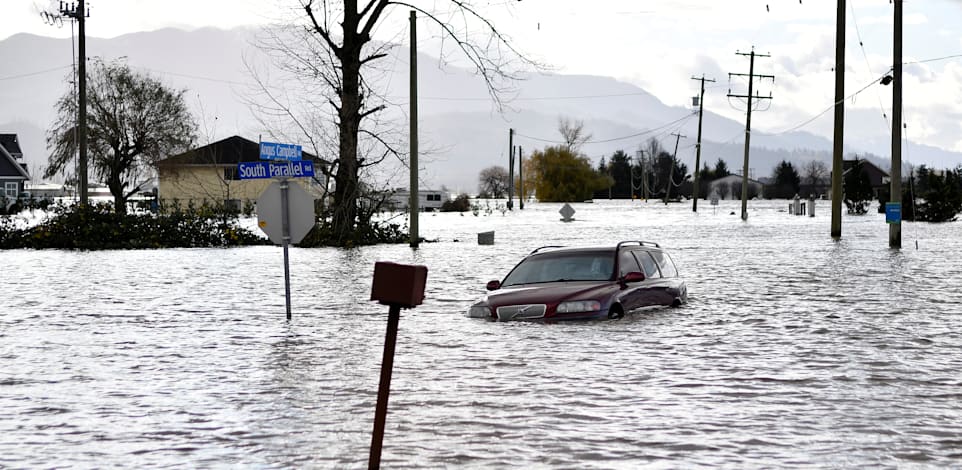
point(291, 169)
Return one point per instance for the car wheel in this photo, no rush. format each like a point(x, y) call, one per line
point(615, 312)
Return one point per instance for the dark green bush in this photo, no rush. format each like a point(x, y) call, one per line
point(462, 203)
point(370, 233)
point(98, 227)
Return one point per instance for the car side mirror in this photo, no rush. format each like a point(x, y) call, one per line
point(633, 277)
point(493, 285)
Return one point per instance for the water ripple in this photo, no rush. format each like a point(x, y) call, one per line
point(795, 351)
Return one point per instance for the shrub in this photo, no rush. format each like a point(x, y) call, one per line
point(98, 227)
point(462, 203)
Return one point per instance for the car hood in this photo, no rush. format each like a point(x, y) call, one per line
point(550, 293)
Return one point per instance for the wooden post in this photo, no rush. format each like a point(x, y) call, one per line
point(414, 235)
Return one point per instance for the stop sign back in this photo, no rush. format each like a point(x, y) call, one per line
point(300, 207)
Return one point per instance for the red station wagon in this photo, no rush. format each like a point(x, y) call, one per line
point(559, 283)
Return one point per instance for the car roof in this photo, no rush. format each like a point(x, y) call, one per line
point(585, 249)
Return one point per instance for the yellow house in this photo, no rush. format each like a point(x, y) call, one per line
point(208, 175)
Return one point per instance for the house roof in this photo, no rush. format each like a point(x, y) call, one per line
point(11, 144)
point(736, 179)
point(10, 167)
point(866, 164)
point(229, 151)
point(876, 175)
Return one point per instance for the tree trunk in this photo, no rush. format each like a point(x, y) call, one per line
point(349, 122)
point(117, 191)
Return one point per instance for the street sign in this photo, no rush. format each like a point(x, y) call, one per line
point(291, 169)
point(893, 212)
point(274, 151)
point(270, 213)
point(567, 212)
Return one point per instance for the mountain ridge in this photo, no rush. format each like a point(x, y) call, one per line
point(467, 131)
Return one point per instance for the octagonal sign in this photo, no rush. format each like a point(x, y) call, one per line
point(300, 207)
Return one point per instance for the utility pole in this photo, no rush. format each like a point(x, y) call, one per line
point(415, 237)
point(510, 169)
point(610, 177)
point(644, 176)
point(748, 122)
point(77, 12)
point(837, 148)
point(521, 177)
point(701, 110)
point(895, 228)
point(671, 168)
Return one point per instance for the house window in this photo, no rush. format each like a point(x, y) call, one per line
point(230, 173)
point(434, 197)
point(10, 189)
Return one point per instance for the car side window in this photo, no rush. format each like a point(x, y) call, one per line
point(648, 264)
point(627, 263)
point(664, 262)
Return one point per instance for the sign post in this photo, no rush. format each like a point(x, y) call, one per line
point(398, 286)
point(285, 212)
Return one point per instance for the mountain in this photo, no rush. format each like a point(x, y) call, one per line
point(461, 131)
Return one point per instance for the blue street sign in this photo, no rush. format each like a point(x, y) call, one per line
point(291, 169)
point(893, 212)
point(273, 151)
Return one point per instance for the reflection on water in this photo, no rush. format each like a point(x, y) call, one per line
point(795, 350)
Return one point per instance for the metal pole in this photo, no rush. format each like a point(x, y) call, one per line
point(895, 229)
point(748, 136)
point(384, 389)
point(521, 178)
point(644, 176)
point(510, 169)
point(839, 122)
point(671, 169)
point(286, 240)
point(415, 237)
point(82, 52)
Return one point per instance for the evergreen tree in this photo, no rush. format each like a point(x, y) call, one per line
point(721, 169)
point(857, 188)
point(786, 182)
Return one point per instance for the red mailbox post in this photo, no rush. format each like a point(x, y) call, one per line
point(398, 286)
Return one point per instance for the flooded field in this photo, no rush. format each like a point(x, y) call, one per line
point(794, 351)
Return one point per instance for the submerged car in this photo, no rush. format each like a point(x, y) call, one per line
point(559, 283)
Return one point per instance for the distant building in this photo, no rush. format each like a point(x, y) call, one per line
point(428, 200)
point(13, 172)
point(876, 176)
point(730, 187)
point(208, 175)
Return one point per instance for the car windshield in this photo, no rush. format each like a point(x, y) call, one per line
point(556, 267)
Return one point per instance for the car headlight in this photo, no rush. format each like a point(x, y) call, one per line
point(579, 306)
point(479, 311)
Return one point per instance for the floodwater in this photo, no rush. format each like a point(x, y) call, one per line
point(794, 351)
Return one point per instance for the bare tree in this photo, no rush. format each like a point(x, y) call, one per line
point(493, 182)
point(133, 120)
point(573, 133)
point(815, 171)
point(334, 52)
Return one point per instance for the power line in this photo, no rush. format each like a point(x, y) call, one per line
point(31, 74)
point(829, 108)
point(549, 141)
point(538, 98)
point(868, 65)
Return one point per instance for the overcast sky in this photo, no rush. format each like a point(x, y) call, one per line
point(659, 45)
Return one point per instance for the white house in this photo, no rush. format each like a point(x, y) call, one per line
point(428, 199)
point(730, 187)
